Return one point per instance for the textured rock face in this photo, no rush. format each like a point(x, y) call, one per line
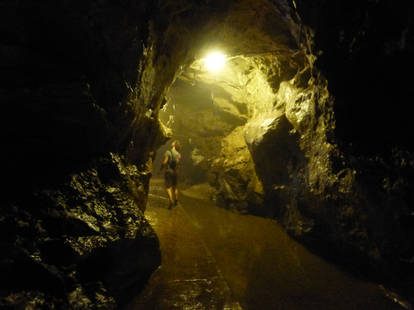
point(366, 47)
point(324, 193)
point(81, 86)
point(84, 244)
point(218, 113)
point(234, 175)
point(83, 81)
point(199, 124)
point(368, 198)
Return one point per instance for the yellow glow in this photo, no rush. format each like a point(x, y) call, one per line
point(215, 61)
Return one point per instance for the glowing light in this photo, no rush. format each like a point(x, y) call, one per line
point(215, 61)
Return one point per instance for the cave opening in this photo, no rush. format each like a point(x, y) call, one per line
point(257, 139)
point(242, 150)
point(213, 112)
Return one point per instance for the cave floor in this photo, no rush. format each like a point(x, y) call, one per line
point(216, 259)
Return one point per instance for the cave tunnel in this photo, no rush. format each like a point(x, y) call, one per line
point(297, 168)
point(223, 118)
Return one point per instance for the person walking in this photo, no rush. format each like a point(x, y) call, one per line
point(171, 163)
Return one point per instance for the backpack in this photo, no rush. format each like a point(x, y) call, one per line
point(173, 160)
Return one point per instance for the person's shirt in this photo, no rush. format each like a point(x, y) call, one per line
point(173, 159)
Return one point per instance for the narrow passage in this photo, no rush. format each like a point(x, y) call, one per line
point(216, 259)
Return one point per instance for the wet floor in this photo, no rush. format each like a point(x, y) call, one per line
point(216, 259)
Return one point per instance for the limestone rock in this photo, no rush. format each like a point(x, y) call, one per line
point(234, 175)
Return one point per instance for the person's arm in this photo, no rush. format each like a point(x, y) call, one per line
point(179, 163)
point(164, 163)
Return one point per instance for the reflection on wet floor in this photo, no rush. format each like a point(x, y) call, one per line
point(216, 259)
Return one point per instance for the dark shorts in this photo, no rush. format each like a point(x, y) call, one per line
point(170, 179)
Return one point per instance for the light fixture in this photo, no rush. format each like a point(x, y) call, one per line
point(215, 61)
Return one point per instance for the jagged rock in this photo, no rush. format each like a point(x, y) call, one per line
point(202, 144)
point(234, 176)
point(196, 157)
point(92, 223)
point(275, 136)
point(229, 111)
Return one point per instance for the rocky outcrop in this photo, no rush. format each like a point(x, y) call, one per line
point(335, 203)
point(81, 244)
point(199, 123)
point(364, 48)
point(320, 189)
point(356, 209)
point(233, 175)
point(81, 87)
point(237, 105)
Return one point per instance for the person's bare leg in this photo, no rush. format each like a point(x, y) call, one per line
point(170, 196)
point(176, 195)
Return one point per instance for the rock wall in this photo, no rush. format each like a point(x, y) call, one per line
point(81, 86)
point(240, 101)
point(73, 231)
point(233, 174)
point(352, 209)
point(363, 202)
point(199, 124)
point(365, 47)
point(81, 244)
point(349, 202)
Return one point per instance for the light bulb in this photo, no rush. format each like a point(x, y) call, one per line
point(215, 61)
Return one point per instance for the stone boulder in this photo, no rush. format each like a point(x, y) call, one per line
point(84, 243)
point(233, 175)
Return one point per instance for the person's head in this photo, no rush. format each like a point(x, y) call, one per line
point(176, 144)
